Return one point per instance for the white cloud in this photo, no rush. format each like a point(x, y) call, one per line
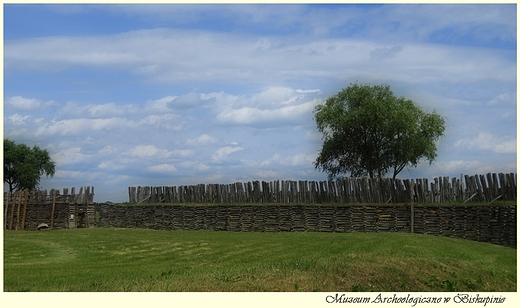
point(189, 100)
point(108, 110)
point(160, 105)
point(268, 174)
point(275, 105)
point(147, 151)
point(486, 141)
point(292, 160)
point(496, 168)
point(163, 168)
point(248, 115)
point(222, 153)
point(108, 150)
point(307, 91)
point(17, 119)
point(82, 126)
point(195, 166)
point(70, 156)
point(397, 22)
point(460, 166)
point(504, 147)
point(151, 150)
point(303, 159)
point(276, 96)
point(203, 139)
point(507, 98)
point(72, 176)
point(107, 165)
point(182, 153)
point(233, 57)
point(111, 179)
point(268, 162)
point(469, 167)
point(167, 121)
point(22, 103)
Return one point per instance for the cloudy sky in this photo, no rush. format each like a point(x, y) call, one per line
point(159, 95)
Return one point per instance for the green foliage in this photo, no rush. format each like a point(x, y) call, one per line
point(24, 166)
point(367, 130)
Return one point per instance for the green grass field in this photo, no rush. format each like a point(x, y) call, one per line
point(117, 260)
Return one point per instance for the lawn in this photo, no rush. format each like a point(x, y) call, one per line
point(109, 259)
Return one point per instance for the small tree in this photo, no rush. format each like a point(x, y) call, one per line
point(367, 130)
point(24, 166)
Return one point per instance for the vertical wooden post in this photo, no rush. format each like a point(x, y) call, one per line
point(17, 227)
point(411, 207)
point(26, 199)
point(53, 207)
point(6, 210)
point(12, 210)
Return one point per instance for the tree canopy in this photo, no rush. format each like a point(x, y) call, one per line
point(24, 166)
point(368, 131)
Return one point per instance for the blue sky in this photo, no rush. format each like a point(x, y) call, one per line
point(160, 95)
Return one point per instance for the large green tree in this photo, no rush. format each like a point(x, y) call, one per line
point(368, 131)
point(24, 166)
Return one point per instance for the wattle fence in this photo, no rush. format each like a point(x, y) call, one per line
point(26, 210)
point(476, 188)
point(485, 223)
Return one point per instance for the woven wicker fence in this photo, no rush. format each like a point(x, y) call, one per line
point(494, 224)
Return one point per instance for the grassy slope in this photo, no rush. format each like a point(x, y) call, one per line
point(152, 260)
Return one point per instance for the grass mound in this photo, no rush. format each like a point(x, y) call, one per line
point(86, 260)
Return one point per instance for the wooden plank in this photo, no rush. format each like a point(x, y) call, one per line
point(412, 209)
point(319, 192)
point(312, 192)
point(480, 189)
point(512, 188)
point(472, 188)
point(53, 207)
point(454, 188)
point(400, 192)
point(6, 198)
point(486, 189)
point(240, 192)
point(509, 187)
point(492, 193)
point(274, 191)
point(19, 203)
point(292, 192)
point(341, 191)
point(448, 189)
point(266, 194)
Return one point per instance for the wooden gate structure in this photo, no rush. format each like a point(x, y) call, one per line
point(26, 210)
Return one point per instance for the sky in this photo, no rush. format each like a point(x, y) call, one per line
point(169, 95)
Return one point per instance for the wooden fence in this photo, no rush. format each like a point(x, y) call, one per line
point(486, 223)
point(477, 188)
point(26, 209)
